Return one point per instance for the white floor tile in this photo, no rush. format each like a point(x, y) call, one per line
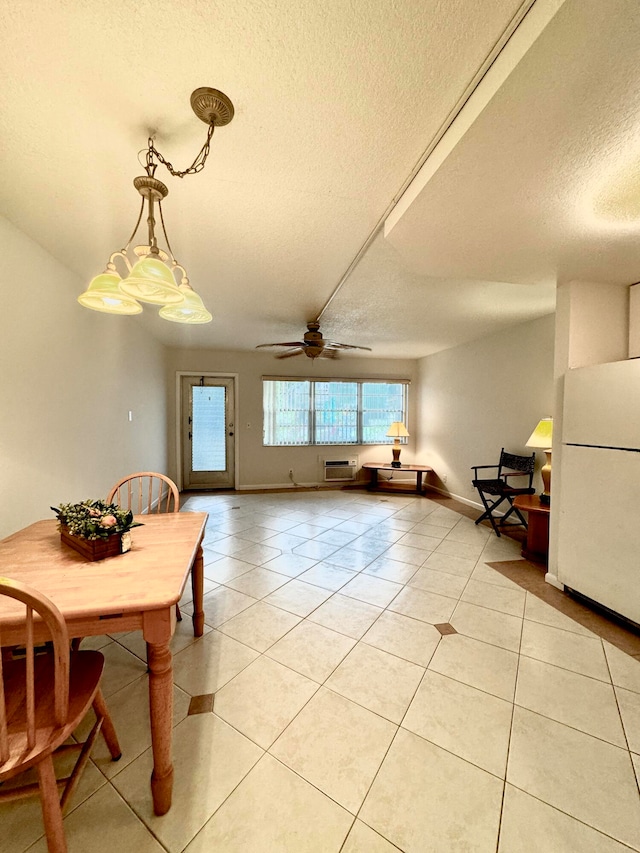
point(327, 576)
point(224, 603)
point(629, 703)
point(257, 583)
point(482, 665)
point(531, 826)
point(580, 775)
point(490, 626)
point(467, 722)
point(329, 726)
point(289, 564)
point(377, 680)
point(208, 664)
point(570, 698)
point(346, 615)
point(263, 699)
point(537, 610)
point(426, 799)
point(312, 650)
point(260, 626)
point(102, 824)
point(273, 809)
point(210, 758)
point(494, 597)
point(371, 589)
point(452, 565)
point(426, 606)
point(391, 570)
point(404, 637)
point(298, 597)
point(442, 583)
point(362, 839)
point(625, 670)
point(565, 649)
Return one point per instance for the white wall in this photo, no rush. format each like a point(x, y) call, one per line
point(69, 377)
point(269, 466)
point(481, 396)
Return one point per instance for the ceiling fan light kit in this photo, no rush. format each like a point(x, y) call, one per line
point(313, 345)
point(151, 273)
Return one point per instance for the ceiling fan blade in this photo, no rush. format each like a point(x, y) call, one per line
point(285, 344)
point(337, 345)
point(296, 351)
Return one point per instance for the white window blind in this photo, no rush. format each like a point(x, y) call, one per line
point(331, 411)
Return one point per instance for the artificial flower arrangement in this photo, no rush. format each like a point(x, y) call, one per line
point(96, 522)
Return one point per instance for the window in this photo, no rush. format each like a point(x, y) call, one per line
point(331, 411)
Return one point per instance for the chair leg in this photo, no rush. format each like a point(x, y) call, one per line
point(489, 508)
point(517, 512)
point(108, 729)
point(51, 811)
point(178, 614)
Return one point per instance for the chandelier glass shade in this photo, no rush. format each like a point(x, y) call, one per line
point(190, 310)
point(104, 294)
point(151, 276)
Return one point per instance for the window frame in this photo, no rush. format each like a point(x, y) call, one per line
point(311, 422)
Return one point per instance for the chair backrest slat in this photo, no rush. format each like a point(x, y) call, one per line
point(35, 602)
point(30, 685)
point(4, 737)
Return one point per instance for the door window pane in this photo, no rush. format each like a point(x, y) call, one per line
point(208, 445)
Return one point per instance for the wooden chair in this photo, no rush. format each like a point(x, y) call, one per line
point(494, 491)
point(43, 698)
point(145, 492)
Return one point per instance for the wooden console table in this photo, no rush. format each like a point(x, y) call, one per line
point(537, 544)
point(374, 467)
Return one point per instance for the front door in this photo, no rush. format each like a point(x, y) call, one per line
point(208, 446)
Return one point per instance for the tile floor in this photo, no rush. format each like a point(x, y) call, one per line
point(345, 720)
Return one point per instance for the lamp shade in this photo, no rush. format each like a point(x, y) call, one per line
point(104, 294)
point(397, 430)
point(152, 281)
point(542, 434)
point(192, 310)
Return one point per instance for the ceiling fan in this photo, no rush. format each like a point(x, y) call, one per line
point(313, 345)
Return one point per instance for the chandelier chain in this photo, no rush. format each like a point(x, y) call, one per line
point(196, 166)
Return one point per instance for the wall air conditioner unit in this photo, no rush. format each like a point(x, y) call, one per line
point(340, 469)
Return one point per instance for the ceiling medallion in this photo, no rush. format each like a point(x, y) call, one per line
point(151, 273)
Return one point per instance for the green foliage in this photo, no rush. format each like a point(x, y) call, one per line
point(94, 519)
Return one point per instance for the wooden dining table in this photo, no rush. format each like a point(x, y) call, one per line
point(136, 591)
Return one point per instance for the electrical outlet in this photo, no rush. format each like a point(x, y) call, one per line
point(443, 477)
point(291, 472)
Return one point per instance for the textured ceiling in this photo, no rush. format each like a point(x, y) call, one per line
point(336, 104)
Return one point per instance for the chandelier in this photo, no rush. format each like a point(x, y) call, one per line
point(151, 274)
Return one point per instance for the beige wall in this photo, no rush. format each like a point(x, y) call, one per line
point(481, 396)
point(69, 378)
point(269, 466)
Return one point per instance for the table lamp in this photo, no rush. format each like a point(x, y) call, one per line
point(541, 438)
point(397, 430)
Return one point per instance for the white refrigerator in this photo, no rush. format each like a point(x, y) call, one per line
point(599, 521)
